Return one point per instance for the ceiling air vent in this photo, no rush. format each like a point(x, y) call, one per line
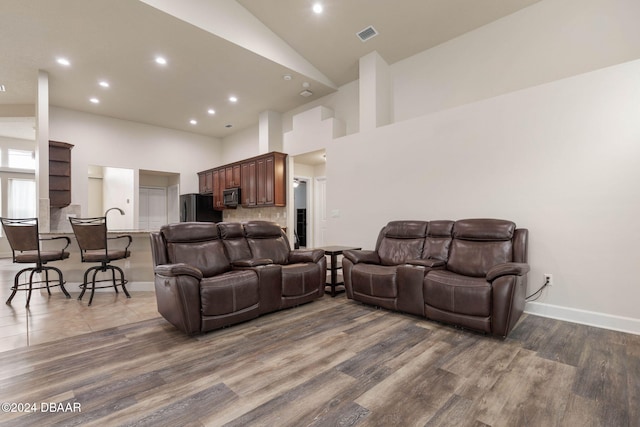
point(367, 33)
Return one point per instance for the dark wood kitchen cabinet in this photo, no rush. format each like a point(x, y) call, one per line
point(248, 184)
point(218, 178)
point(261, 179)
point(205, 181)
point(59, 174)
point(271, 180)
point(232, 176)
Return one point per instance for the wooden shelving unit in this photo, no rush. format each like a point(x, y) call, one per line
point(59, 174)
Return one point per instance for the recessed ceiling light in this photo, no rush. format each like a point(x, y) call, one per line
point(94, 100)
point(317, 8)
point(211, 111)
point(63, 61)
point(2, 88)
point(104, 83)
point(287, 77)
point(161, 60)
point(193, 121)
point(233, 99)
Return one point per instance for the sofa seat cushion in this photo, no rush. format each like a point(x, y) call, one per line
point(229, 292)
point(457, 294)
point(374, 280)
point(300, 279)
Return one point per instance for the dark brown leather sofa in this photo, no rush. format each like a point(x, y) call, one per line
point(209, 275)
point(471, 273)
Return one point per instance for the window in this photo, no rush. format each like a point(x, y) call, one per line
point(22, 159)
point(21, 198)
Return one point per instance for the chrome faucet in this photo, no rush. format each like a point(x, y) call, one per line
point(110, 209)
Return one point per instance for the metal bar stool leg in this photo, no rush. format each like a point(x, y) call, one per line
point(30, 287)
point(122, 281)
point(93, 284)
point(46, 278)
point(61, 281)
point(84, 284)
point(113, 278)
point(16, 282)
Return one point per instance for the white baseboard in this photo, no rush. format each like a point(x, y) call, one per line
point(590, 318)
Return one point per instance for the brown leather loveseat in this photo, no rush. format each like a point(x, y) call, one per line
point(209, 275)
point(471, 273)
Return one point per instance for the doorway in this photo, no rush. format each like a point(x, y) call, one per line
point(308, 190)
point(301, 207)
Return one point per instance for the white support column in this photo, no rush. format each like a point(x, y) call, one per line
point(375, 92)
point(269, 132)
point(42, 152)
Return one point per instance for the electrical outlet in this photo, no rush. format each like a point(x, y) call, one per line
point(548, 279)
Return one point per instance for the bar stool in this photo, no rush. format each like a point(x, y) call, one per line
point(91, 234)
point(24, 238)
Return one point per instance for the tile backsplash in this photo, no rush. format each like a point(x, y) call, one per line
point(274, 214)
point(59, 219)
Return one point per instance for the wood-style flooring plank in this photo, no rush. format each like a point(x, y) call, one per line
point(328, 363)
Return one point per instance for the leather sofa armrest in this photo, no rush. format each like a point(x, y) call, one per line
point(507, 269)
point(362, 256)
point(305, 255)
point(254, 262)
point(429, 263)
point(173, 270)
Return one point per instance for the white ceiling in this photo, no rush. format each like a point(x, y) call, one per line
point(214, 55)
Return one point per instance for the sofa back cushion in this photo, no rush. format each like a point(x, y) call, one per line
point(479, 244)
point(400, 241)
point(438, 241)
point(267, 240)
point(197, 244)
point(232, 235)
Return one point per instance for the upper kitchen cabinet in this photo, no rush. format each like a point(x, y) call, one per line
point(271, 180)
point(219, 185)
point(248, 184)
point(205, 182)
point(59, 174)
point(232, 176)
point(261, 179)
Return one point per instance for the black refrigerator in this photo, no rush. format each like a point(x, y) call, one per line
point(198, 207)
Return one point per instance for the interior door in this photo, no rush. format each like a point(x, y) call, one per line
point(153, 208)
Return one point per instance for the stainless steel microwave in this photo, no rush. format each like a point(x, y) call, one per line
point(231, 197)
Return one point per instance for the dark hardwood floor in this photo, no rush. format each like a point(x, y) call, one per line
point(332, 362)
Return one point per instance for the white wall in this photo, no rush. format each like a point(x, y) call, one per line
point(344, 104)
point(240, 145)
point(547, 41)
point(561, 159)
point(533, 118)
point(104, 141)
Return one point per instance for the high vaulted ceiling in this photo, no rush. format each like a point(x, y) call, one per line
point(214, 49)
